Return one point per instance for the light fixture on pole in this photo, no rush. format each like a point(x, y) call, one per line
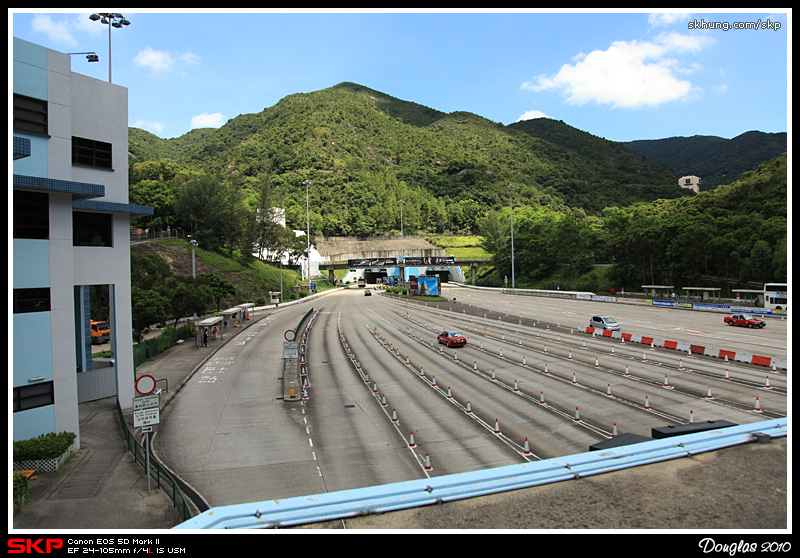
point(90, 56)
point(112, 20)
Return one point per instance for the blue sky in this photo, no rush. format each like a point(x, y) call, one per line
point(618, 75)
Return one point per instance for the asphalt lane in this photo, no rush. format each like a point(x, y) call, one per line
point(231, 436)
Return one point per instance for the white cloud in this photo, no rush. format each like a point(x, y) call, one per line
point(628, 74)
point(155, 127)
point(161, 62)
point(665, 19)
point(63, 30)
point(208, 120)
point(531, 115)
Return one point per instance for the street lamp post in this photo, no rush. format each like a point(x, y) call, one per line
point(511, 197)
point(308, 237)
point(112, 20)
point(402, 252)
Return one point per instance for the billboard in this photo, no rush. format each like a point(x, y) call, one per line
point(426, 286)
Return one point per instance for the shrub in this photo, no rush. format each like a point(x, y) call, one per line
point(46, 446)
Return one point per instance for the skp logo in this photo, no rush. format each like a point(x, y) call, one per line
point(30, 546)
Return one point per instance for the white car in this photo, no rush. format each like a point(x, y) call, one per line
point(604, 322)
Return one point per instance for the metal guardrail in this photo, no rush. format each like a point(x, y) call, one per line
point(163, 479)
point(409, 494)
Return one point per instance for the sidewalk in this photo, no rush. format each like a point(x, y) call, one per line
point(102, 487)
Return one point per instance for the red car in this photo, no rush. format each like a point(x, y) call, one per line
point(452, 338)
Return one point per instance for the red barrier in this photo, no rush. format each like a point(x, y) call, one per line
point(697, 349)
point(763, 361)
point(670, 344)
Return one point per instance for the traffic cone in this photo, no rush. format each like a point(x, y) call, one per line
point(541, 398)
point(614, 434)
point(627, 373)
point(469, 408)
point(494, 378)
point(727, 375)
point(691, 417)
point(428, 462)
point(411, 442)
point(524, 361)
point(421, 371)
point(383, 401)
point(574, 378)
point(666, 381)
point(708, 395)
point(757, 408)
point(680, 367)
point(646, 403)
point(394, 415)
point(433, 382)
point(496, 426)
point(570, 355)
point(526, 450)
point(767, 386)
point(608, 390)
point(449, 393)
point(516, 387)
point(475, 366)
point(577, 415)
point(596, 363)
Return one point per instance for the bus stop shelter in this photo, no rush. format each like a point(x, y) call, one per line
point(659, 290)
point(207, 330)
point(708, 293)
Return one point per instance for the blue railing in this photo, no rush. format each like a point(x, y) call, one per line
point(409, 494)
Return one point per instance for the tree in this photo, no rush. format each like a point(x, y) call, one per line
point(220, 287)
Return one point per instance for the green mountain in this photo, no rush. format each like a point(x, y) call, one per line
point(715, 160)
point(363, 151)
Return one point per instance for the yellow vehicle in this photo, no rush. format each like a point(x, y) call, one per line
point(100, 332)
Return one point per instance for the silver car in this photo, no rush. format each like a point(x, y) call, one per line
point(604, 322)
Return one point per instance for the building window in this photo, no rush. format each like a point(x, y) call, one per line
point(91, 153)
point(31, 215)
point(30, 115)
point(92, 229)
point(31, 300)
point(33, 396)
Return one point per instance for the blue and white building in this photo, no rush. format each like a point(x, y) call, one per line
point(70, 231)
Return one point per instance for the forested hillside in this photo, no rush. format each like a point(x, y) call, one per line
point(715, 160)
point(364, 151)
point(364, 158)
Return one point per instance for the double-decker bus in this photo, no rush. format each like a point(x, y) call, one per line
point(776, 296)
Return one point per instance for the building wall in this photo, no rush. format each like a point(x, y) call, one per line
point(46, 344)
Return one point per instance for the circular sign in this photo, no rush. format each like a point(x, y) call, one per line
point(145, 385)
point(290, 335)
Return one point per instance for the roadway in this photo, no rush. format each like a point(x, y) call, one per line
point(386, 403)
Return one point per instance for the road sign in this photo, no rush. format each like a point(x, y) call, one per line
point(145, 384)
point(146, 417)
point(290, 349)
point(290, 335)
point(145, 402)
